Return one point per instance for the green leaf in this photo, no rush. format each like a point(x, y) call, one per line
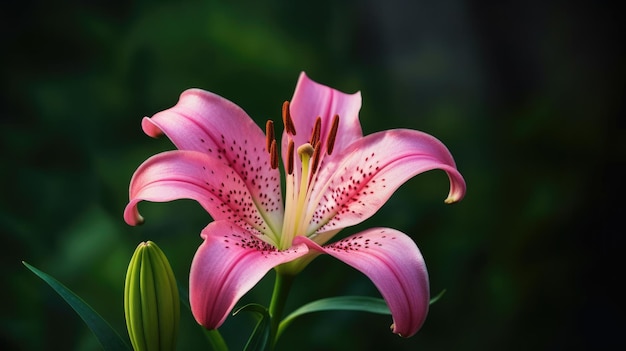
point(343, 303)
point(259, 338)
point(436, 298)
point(106, 335)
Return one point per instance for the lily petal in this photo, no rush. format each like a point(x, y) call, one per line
point(311, 100)
point(194, 175)
point(353, 186)
point(206, 122)
point(392, 261)
point(228, 264)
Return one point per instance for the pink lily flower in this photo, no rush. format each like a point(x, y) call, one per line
point(334, 178)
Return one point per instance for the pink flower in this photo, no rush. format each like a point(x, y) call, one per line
point(335, 178)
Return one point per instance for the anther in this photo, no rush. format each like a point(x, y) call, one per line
point(316, 157)
point(269, 134)
point(315, 135)
point(330, 142)
point(273, 155)
point(287, 121)
point(290, 147)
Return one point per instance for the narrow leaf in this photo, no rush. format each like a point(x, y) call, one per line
point(342, 303)
point(436, 298)
point(345, 303)
point(252, 307)
point(259, 338)
point(106, 335)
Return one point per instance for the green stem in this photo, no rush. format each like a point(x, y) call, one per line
point(282, 285)
point(216, 340)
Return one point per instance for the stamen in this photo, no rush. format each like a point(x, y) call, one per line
point(290, 157)
point(315, 135)
point(316, 157)
point(287, 121)
point(330, 142)
point(269, 134)
point(274, 155)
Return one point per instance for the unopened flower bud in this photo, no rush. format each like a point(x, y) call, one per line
point(151, 302)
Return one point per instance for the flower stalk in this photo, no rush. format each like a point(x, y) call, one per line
point(282, 285)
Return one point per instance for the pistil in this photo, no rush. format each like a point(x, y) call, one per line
point(305, 152)
point(294, 212)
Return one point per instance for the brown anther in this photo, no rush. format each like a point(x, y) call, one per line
point(316, 157)
point(269, 134)
point(290, 148)
point(330, 142)
point(317, 127)
point(273, 155)
point(287, 121)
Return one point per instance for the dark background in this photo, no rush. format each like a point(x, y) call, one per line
point(527, 95)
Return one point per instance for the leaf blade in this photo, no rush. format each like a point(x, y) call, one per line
point(106, 335)
point(339, 303)
point(259, 338)
point(343, 303)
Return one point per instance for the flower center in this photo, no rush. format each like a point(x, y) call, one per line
point(299, 182)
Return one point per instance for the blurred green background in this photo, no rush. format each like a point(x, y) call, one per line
point(525, 94)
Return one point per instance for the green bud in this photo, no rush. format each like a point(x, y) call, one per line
point(151, 302)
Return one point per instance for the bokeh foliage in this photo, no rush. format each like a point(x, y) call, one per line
point(526, 96)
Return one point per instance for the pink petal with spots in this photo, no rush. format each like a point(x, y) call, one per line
point(311, 100)
point(205, 122)
point(358, 182)
point(194, 175)
point(392, 261)
point(228, 264)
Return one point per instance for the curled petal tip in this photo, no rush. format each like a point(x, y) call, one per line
point(150, 128)
point(457, 188)
point(134, 221)
point(139, 220)
point(451, 199)
point(392, 327)
point(132, 216)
